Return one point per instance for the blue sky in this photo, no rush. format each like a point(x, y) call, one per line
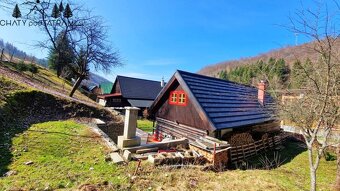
point(156, 37)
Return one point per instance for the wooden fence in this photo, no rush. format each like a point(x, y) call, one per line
point(242, 152)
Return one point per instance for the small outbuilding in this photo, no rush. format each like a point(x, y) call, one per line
point(193, 106)
point(135, 92)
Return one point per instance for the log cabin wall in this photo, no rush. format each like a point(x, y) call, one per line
point(185, 115)
point(166, 127)
point(116, 88)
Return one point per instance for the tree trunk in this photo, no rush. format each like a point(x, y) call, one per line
point(312, 170)
point(337, 185)
point(2, 54)
point(76, 85)
point(312, 179)
point(10, 60)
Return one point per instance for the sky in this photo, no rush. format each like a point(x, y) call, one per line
point(156, 37)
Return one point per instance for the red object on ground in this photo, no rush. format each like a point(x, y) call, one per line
point(167, 151)
point(152, 139)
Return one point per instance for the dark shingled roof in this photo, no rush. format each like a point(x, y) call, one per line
point(226, 104)
point(134, 88)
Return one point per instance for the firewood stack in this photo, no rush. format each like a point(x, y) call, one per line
point(214, 150)
point(241, 139)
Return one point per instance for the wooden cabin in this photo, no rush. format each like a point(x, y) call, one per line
point(127, 91)
point(193, 105)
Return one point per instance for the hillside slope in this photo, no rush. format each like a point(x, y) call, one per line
point(22, 106)
point(290, 54)
point(45, 80)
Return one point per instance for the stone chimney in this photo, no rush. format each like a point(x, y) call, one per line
point(162, 82)
point(261, 92)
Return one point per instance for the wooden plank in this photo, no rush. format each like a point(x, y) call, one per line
point(160, 145)
point(147, 150)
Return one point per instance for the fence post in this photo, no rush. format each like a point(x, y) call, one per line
point(214, 156)
point(10, 60)
point(244, 156)
point(255, 147)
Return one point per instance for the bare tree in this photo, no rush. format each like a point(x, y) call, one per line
point(87, 34)
point(316, 113)
point(91, 47)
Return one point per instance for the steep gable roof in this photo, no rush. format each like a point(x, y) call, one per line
point(225, 104)
point(135, 88)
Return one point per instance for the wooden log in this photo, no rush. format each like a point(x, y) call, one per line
point(210, 141)
point(147, 150)
point(160, 145)
point(214, 139)
point(202, 144)
point(178, 154)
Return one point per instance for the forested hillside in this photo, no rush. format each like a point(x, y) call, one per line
point(276, 71)
point(10, 50)
point(281, 66)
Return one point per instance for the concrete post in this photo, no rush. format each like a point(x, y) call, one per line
point(130, 123)
point(129, 138)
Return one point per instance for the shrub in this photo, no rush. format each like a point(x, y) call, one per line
point(21, 66)
point(330, 157)
point(33, 69)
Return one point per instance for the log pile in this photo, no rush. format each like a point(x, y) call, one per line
point(178, 157)
point(214, 150)
point(241, 139)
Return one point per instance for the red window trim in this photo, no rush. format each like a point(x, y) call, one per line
point(177, 93)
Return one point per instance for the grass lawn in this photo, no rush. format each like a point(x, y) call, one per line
point(64, 155)
point(145, 125)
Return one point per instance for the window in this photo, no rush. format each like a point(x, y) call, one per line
point(181, 99)
point(178, 98)
point(173, 98)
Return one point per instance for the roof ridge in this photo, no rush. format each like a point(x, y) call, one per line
point(137, 78)
point(213, 78)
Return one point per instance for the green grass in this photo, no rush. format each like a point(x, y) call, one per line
point(293, 175)
point(63, 153)
point(48, 79)
point(145, 125)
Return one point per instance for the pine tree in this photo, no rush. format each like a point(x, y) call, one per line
point(55, 11)
point(68, 12)
point(61, 57)
point(16, 12)
point(61, 7)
